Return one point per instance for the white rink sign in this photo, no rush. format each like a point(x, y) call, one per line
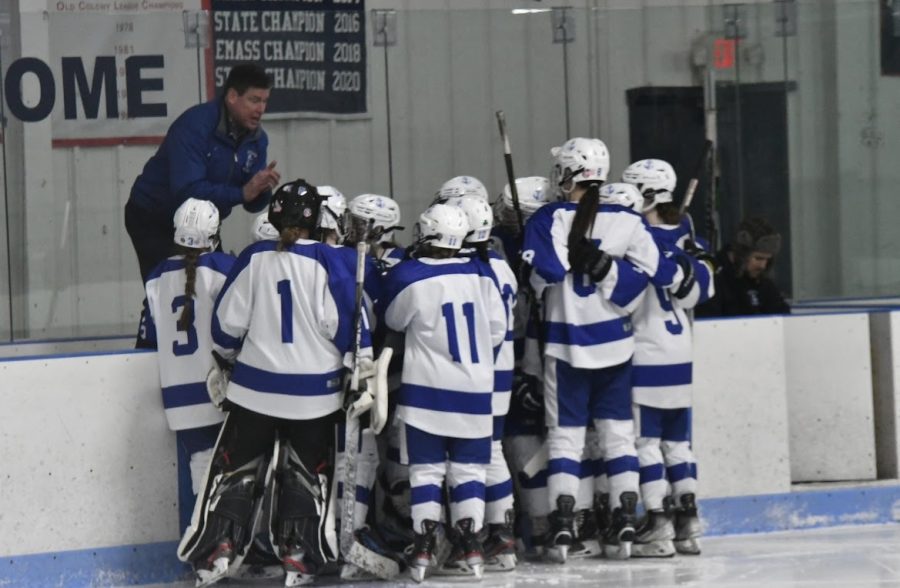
point(119, 71)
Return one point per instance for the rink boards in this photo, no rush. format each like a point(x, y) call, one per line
point(89, 484)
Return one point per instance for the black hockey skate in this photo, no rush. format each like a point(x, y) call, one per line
point(467, 556)
point(620, 534)
point(500, 546)
point(562, 529)
point(654, 535)
point(687, 526)
point(299, 569)
point(587, 539)
point(421, 558)
point(216, 565)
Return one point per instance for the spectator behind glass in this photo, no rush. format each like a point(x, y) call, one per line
point(743, 285)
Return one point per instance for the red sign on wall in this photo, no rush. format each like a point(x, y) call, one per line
point(723, 53)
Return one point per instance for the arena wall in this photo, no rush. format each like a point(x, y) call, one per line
point(89, 482)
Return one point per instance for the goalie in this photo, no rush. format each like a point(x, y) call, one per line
point(283, 331)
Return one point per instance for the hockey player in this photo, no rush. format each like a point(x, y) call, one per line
point(374, 556)
point(285, 322)
point(459, 186)
point(376, 218)
point(524, 425)
point(180, 296)
point(262, 229)
point(331, 226)
point(453, 318)
point(662, 375)
point(586, 260)
point(500, 544)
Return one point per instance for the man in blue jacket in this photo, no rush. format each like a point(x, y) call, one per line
point(214, 151)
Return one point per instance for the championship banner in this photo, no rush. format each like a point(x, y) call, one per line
point(120, 71)
point(314, 50)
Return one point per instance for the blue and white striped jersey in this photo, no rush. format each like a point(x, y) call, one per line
point(454, 320)
point(184, 355)
point(587, 325)
point(663, 355)
point(506, 358)
point(287, 318)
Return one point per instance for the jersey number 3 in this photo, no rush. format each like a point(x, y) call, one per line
point(179, 349)
point(449, 313)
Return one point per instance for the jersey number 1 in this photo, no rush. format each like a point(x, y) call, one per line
point(287, 311)
point(449, 313)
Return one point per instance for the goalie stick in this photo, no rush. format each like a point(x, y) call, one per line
point(351, 549)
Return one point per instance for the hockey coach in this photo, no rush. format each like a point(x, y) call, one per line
point(214, 151)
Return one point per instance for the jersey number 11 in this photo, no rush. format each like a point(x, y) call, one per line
point(449, 313)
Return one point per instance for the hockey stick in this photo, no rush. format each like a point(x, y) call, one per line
point(510, 176)
point(693, 184)
point(533, 310)
point(695, 179)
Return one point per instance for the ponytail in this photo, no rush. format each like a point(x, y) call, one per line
point(289, 236)
point(585, 214)
point(191, 257)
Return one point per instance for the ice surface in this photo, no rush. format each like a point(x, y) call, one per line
point(841, 557)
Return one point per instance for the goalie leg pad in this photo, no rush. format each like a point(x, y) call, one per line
point(301, 506)
point(230, 503)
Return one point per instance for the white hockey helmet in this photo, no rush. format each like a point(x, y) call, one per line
point(262, 229)
point(197, 224)
point(461, 186)
point(622, 194)
point(533, 192)
point(579, 160)
point(479, 217)
point(375, 216)
point(441, 225)
point(333, 210)
point(654, 178)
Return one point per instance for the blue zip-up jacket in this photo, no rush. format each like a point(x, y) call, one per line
point(199, 159)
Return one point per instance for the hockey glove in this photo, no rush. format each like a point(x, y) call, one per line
point(217, 380)
point(359, 401)
point(527, 394)
point(585, 258)
point(700, 254)
point(687, 283)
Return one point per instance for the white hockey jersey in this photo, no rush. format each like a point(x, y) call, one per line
point(454, 320)
point(663, 354)
point(390, 257)
point(526, 350)
point(506, 358)
point(287, 317)
point(587, 325)
point(184, 355)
